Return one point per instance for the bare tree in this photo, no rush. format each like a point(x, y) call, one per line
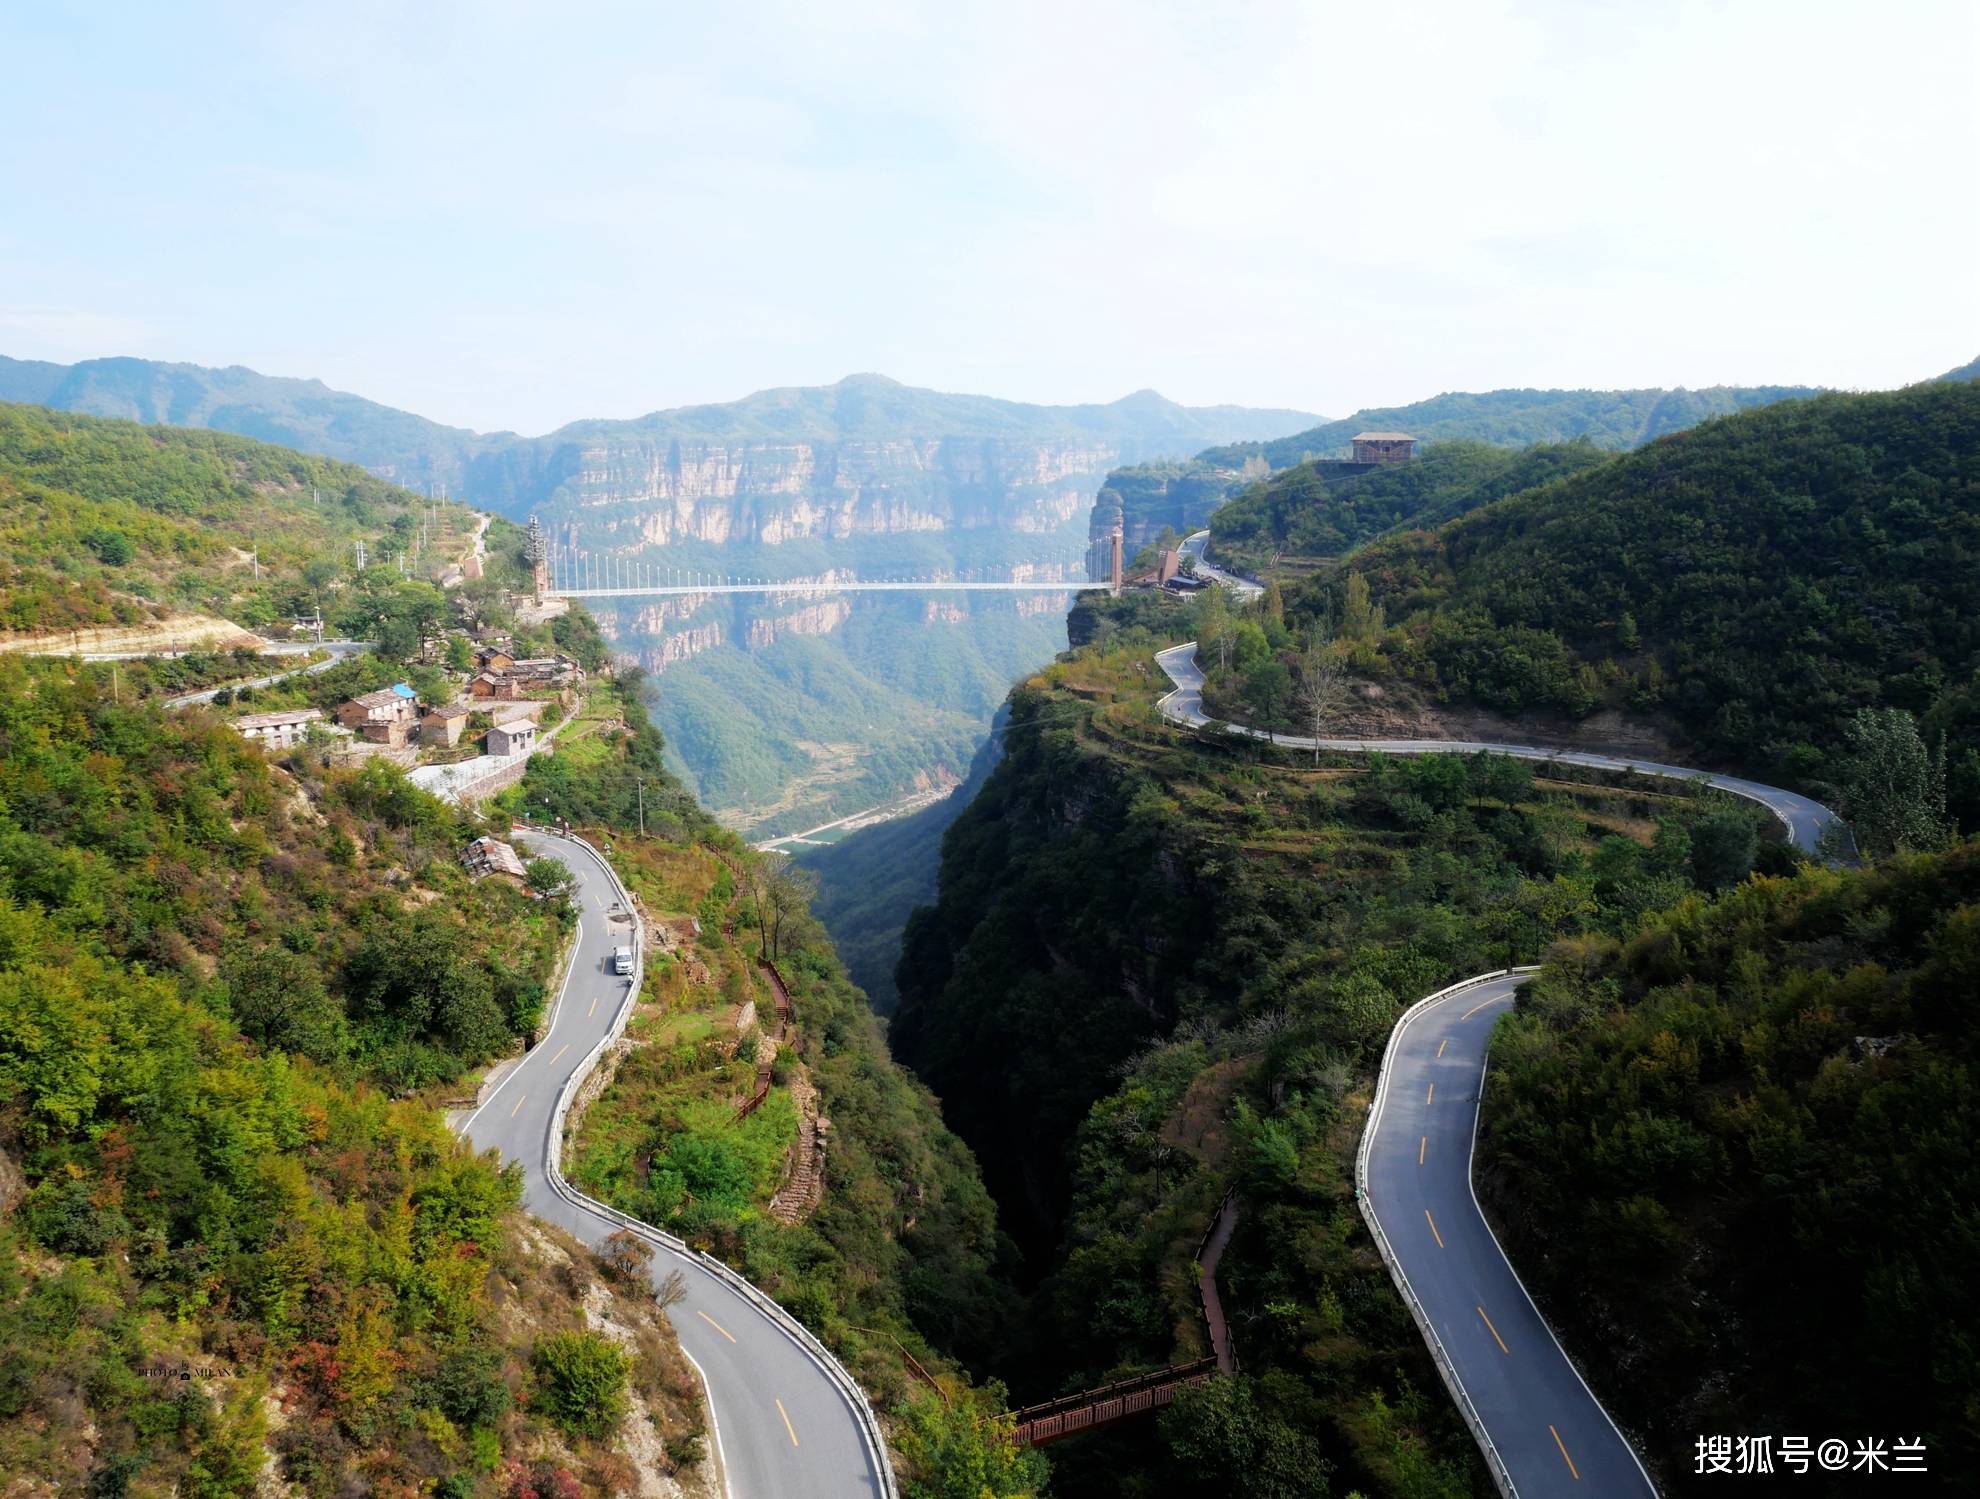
point(788, 888)
point(1321, 686)
point(753, 879)
point(672, 1290)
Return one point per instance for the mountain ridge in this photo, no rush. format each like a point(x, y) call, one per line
point(305, 412)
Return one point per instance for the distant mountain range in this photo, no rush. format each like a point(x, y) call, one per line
point(507, 471)
point(302, 414)
point(780, 713)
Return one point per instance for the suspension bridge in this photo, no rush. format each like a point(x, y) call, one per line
point(719, 583)
point(574, 574)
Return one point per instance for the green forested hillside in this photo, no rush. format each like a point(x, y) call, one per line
point(903, 1247)
point(1757, 580)
point(1733, 1149)
point(1612, 419)
point(106, 522)
point(303, 414)
point(1163, 965)
point(214, 977)
point(808, 728)
point(1150, 496)
point(1304, 513)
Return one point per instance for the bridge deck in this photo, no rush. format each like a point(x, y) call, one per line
point(688, 589)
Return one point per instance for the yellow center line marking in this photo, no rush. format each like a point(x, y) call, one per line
point(1442, 1044)
point(1433, 1228)
point(1564, 1457)
point(1477, 1007)
point(518, 1108)
point(1422, 1145)
point(1494, 1332)
point(560, 1051)
point(594, 1006)
point(716, 1325)
point(1431, 1096)
point(787, 1421)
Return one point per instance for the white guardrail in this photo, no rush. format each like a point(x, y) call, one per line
point(1462, 1398)
point(806, 1341)
point(1549, 758)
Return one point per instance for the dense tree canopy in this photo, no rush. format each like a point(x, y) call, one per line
point(1757, 580)
point(208, 965)
point(1735, 1147)
point(1315, 511)
point(1161, 965)
point(106, 522)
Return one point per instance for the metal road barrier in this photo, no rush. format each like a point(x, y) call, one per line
point(1500, 1474)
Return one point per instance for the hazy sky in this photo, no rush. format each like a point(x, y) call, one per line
point(517, 215)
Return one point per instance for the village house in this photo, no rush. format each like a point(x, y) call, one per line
point(512, 738)
point(388, 716)
point(443, 725)
point(284, 730)
point(490, 684)
point(1383, 447)
point(504, 678)
point(549, 671)
point(491, 856)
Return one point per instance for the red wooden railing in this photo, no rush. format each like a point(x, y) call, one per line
point(1070, 1415)
point(781, 993)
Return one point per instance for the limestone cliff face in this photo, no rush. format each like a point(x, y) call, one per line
point(652, 616)
point(820, 618)
point(662, 651)
point(654, 493)
point(1030, 604)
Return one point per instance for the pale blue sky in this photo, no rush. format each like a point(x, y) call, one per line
point(515, 215)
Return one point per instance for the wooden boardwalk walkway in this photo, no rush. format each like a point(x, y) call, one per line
point(1088, 1410)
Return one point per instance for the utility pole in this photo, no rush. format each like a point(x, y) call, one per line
point(642, 808)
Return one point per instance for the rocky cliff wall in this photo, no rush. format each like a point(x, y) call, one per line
point(630, 494)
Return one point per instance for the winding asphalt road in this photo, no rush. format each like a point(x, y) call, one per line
point(1541, 1421)
point(1804, 818)
point(339, 650)
point(1197, 544)
point(1542, 1429)
point(784, 1423)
